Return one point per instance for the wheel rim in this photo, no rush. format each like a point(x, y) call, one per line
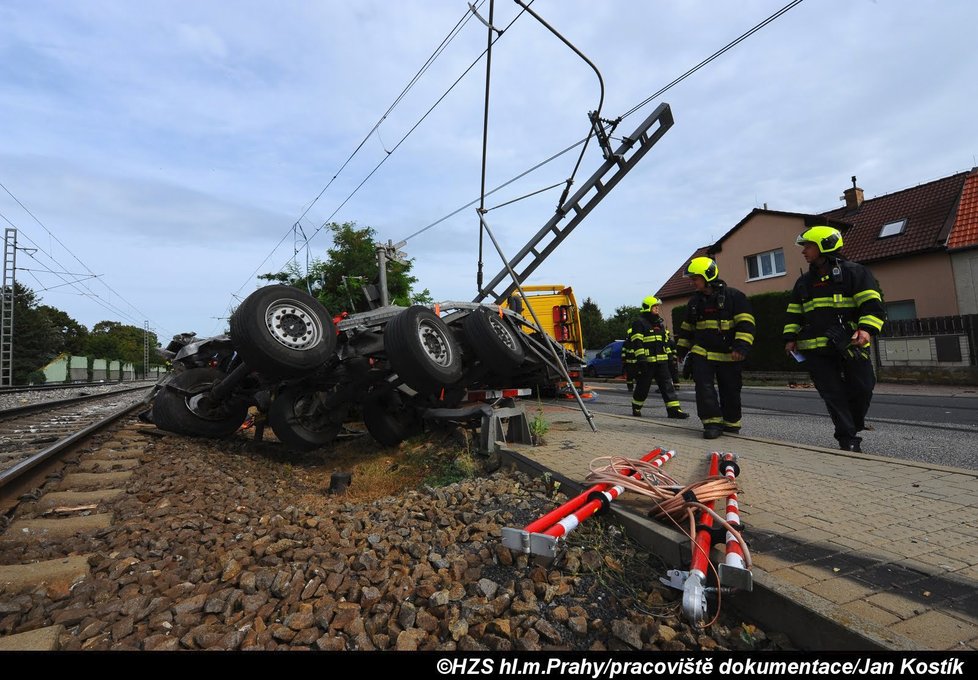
point(293, 325)
point(502, 332)
point(308, 413)
point(435, 344)
point(202, 407)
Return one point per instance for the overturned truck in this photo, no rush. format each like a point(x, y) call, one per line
point(307, 375)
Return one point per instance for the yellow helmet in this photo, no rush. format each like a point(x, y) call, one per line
point(827, 239)
point(703, 266)
point(650, 302)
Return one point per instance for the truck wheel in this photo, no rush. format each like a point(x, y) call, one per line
point(389, 419)
point(182, 406)
point(493, 340)
point(282, 332)
point(421, 350)
point(301, 421)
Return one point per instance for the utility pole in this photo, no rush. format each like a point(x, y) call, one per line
point(7, 308)
point(388, 252)
point(145, 350)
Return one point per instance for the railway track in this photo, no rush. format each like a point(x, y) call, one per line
point(31, 435)
point(55, 500)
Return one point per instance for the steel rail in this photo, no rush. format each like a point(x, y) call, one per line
point(10, 474)
point(48, 405)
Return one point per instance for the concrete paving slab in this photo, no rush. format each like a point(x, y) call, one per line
point(853, 539)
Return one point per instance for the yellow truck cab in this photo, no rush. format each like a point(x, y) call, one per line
point(556, 310)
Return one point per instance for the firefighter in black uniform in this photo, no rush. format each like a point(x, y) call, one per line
point(716, 336)
point(628, 364)
point(835, 309)
point(649, 342)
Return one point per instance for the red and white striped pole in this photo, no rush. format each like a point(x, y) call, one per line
point(599, 499)
point(694, 588)
point(573, 504)
point(541, 536)
point(734, 571)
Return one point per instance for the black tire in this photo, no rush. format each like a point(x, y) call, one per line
point(590, 373)
point(422, 350)
point(299, 419)
point(282, 332)
point(389, 419)
point(180, 406)
point(493, 340)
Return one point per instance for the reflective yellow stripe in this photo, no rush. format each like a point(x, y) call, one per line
point(791, 328)
point(870, 320)
point(794, 308)
point(826, 302)
point(813, 343)
point(707, 324)
point(712, 356)
point(864, 295)
point(686, 326)
point(683, 342)
point(729, 424)
point(743, 317)
point(672, 404)
point(746, 337)
point(713, 421)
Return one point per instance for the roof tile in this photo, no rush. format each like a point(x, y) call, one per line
point(678, 284)
point(927, 209)
point(964, 234)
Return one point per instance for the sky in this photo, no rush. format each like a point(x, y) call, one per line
point(156, 156)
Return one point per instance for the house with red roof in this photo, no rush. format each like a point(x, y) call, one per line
point(921, 244)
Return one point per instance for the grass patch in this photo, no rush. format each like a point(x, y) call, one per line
point(435, 459)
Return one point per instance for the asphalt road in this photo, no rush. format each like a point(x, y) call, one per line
point(942, 430)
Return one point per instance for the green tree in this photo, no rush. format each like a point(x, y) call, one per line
point(72, 335)
point(593, 326)
point(351, 263)
point(35, 340)
point(116, 341)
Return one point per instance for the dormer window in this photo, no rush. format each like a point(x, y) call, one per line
point(893, 228)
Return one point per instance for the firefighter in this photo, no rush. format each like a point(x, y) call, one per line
point(649, 341)
point(714, 339)
point(628, 364)
point(835, 309)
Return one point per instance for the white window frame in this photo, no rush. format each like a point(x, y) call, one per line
point(894, 228)
point(774, 265)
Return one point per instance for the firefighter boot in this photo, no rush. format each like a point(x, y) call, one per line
point(712, 431)
point(677, 413)
point(637, 412)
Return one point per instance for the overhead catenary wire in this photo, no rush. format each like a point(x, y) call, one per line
point(523, 174)
point(446, 41)
point(733, 43)
point(410, 131)
point(631, 111)
point(485, 139)
point(79, 285)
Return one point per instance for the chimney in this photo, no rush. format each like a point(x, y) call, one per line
point(853, 196)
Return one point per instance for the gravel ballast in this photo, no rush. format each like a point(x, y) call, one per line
point(234, 545)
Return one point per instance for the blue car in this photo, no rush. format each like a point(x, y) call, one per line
point(607, 362)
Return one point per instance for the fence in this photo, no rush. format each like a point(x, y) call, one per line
point(942, 342)
point(939, 339)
